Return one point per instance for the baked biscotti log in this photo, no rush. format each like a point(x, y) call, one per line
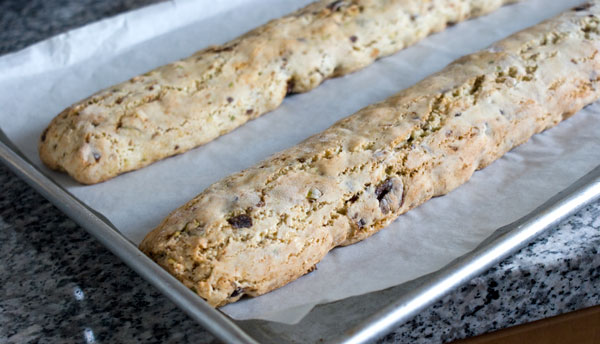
point(261, 228)
point(190, 102)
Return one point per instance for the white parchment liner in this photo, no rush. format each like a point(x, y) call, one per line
point(38, 82)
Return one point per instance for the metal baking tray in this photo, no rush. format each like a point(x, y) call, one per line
point(356, 319)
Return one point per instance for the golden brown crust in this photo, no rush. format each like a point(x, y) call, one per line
point(266, 226)
point(190, 102)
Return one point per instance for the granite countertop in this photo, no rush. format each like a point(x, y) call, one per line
point(58, 284)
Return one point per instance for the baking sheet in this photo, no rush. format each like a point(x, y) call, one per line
point(40, 81)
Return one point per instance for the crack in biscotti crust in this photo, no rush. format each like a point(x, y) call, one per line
point(258, 229)
point(190, 102)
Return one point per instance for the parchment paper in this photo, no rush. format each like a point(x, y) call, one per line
point(38, 82)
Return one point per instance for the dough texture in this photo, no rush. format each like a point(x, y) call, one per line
point(190, 102)
point(263, 227)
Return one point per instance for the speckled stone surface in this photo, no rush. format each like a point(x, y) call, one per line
point(59, 285)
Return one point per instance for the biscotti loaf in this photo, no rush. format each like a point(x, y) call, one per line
point(190, 102)
point(263, 227)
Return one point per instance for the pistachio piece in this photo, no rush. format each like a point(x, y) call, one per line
point(314, 194)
